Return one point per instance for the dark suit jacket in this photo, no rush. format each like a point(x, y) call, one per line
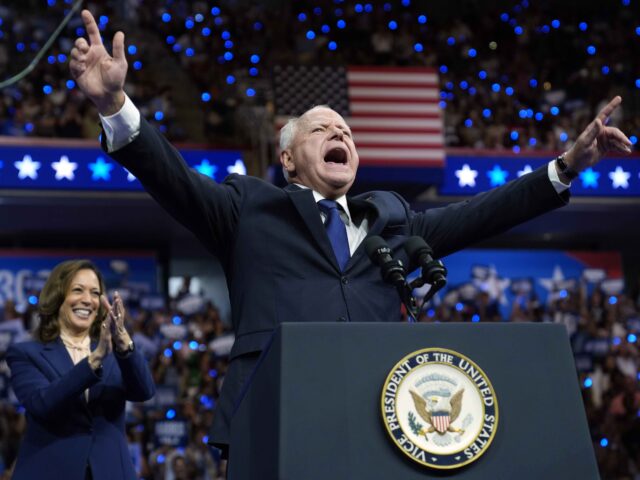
point(277, 257)
point(64, 432)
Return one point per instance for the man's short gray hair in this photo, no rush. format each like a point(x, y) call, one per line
point(288, 131)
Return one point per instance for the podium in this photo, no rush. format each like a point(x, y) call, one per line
point(312, 408)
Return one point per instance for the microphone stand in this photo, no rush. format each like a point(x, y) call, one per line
point(393, 272)
point(434, 273)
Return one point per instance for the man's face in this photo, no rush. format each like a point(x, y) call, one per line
point(322, 155)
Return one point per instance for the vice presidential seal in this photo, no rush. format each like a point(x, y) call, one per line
point(439, 408)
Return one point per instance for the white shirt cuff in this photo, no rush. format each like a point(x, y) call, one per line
point(122, 127)
point(555, 178)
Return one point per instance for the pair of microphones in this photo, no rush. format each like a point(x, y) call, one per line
point(433, 272)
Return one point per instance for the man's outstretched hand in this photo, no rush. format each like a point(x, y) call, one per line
point(99, 75)
point(597, 140)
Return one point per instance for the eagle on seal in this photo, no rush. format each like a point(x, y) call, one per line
point(439, 412)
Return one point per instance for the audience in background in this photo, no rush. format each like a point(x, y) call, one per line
point(520, 77)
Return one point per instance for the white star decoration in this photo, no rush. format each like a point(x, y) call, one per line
point(527, 169)
point(130, 176)
point(64, 168)
point(27, 168)
point(466, 176)
point(619, 177)
point(238, 168)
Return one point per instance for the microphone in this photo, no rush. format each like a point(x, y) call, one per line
point(392, 271)
point(433, 271)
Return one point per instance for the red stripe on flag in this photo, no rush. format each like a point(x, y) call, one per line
point(380, 95)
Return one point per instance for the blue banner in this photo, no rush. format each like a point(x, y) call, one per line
point(90, 168)
point(468, 175)
point(23, 272)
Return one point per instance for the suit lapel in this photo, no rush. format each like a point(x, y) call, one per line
point(304, 202)
point(56, 354)
point(380, 216)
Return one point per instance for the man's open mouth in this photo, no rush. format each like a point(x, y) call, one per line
point(336, 155)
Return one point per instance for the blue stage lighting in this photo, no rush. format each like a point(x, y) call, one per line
point(486, 113)
point(47, 89)
point(171, 414)
point(193, 345)
point(518, 30)
point(468, 123)
point(231, 79)
point(33, 300)
point(137, 65)
point(332, 45)
point(302, 17)
point(228, 44)
point(176, 320)
point(444, 69)
point(168, 352)
point(177, 345)
point(325, 28)
point(555, 23)
point(588, 382)
point(482, 74)
point(166, 17)
point(189, 52)
point(605, 70)
point(604, 442)
point(508, 91)
point(583, 26)
point(591, 50)
point(451, 41)
point(495, 87)
point(132, 50)
point(393, 25)
point(62, 58)
point(70, 84)
point(225, 35)
point(422, 19)
point(341, 23)
point(475, 318)
point(215, 11)
point(251, 92)
point(459, 307)
point(228, 56)
point(472, 52)
point(514, 135)
point(554, 110)
point(171, 39)
point(311, 34)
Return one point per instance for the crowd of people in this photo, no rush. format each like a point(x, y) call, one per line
point(529, 78)
point(187, 354)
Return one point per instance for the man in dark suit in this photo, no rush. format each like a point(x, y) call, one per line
point(280, 262)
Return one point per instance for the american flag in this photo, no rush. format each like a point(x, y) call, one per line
point(392, 111)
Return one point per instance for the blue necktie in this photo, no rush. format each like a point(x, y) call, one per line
point(336, 230)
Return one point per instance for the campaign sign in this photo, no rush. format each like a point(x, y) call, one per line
point(23, 272)
point(174, 433)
